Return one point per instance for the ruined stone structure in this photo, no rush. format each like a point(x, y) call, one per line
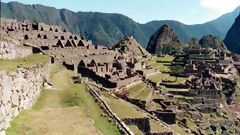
point(19, 90)
point(197, 59)
point(111, 67)
point(144, 125)
point(131, 48)
point(12, 49)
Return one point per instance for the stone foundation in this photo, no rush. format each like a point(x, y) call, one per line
point(12, 49)
point(19, 90)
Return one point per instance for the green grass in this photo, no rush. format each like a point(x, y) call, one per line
point(165, 58)
point(178, 129)
point(160, 63)
point(122, 108)
point(86, 99)
point(158, 78)
point(145, 94)
point(163, 65)
point(161, 76)
point(153, 106)
point(140, 91)
point(35, 59)
point(156, 127)
point(135, 130)
point(67, 108)
point(136, 88)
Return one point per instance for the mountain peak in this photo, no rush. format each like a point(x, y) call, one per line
point(165, 36)
point(211, 41)
point(232, 39)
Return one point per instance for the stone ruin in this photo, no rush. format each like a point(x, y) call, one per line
point(197, 59)
point(12, 49)
point(144, 126)
point(108, 66)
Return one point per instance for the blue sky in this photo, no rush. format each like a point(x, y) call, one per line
point(142, 11)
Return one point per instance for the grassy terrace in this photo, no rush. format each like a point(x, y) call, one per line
point(122, 108)
point(161, 62)
point(178, 130)
point(163, 65)
point(156, 127)
point(135, 130)
point(35, 59)
point(67, 108)
point(140, 91)
point(161, 76)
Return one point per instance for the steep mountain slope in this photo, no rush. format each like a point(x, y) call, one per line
point(108, 29)
point(210, 41)
point(217, 27)
point(164, 41)
point(102, 28)
point(232, 39)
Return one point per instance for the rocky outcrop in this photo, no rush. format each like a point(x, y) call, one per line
point(12, 49)
point(130, 46)
point(19, 90)
point(232, 39)
point(163, 40)
point(214, 42)
point(194, 42)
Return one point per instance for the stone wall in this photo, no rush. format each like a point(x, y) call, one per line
point(12, 49)
point(19, 90)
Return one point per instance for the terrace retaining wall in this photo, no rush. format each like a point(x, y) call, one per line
point(19, 90)
point(12, 49)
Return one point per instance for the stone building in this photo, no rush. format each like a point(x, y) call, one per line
point(105, 65)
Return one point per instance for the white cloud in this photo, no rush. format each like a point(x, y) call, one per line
point(220, 6)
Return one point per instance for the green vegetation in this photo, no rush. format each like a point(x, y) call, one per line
point(176, 69)
point(35, 59)
point(161, 63)
point(67, 108)
point(144, 94)
point(156, 127)
point(212, 42)
point(161, 59)
point(122, 108)
point(157, 78)
point(178, 129)
point(172, 48)
point(135, 89)
point(140, 91)
point(135, 130)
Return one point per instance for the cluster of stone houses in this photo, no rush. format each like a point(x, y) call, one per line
point(110, 67)
point(206, 70)
point(120, 67)
point(217, 61)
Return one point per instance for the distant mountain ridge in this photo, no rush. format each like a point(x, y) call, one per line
point(109, 29)
point(232, 39)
